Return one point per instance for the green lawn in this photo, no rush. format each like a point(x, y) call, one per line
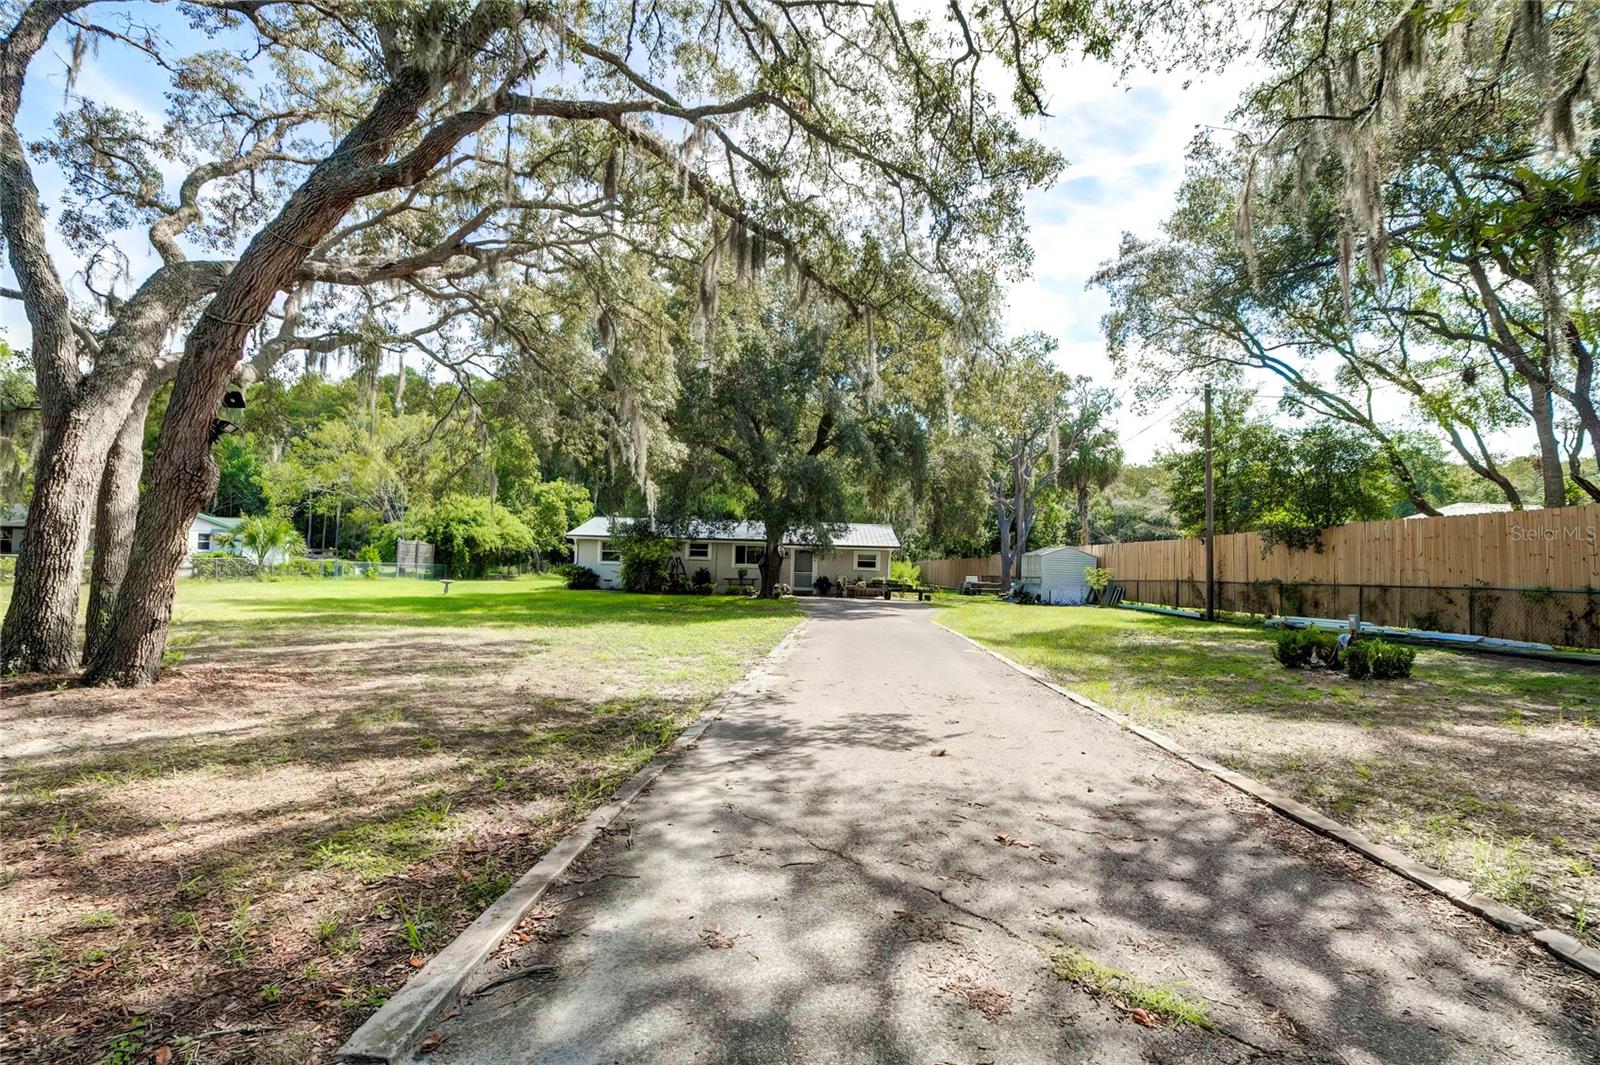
point(329, 781)
point(1484, 767)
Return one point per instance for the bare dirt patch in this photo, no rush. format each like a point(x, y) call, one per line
point(243, 861)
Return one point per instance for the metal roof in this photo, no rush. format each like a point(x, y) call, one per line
point(849, 534)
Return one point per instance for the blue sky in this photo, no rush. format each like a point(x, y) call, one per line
point(1125, 142)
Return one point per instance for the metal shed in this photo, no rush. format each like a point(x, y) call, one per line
point(1055, 574)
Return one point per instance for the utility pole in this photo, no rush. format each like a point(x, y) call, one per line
point(1211, 562)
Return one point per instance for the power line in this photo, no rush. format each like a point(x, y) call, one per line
point(1159, 419)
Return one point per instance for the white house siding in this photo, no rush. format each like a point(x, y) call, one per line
point(587, 553)
point(835, 565)
point(840, 564)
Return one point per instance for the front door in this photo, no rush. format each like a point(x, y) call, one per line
point(802, 571)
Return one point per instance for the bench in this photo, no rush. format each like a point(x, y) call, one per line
point(979, 585)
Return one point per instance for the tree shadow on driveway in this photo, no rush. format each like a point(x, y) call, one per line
point(856, 867)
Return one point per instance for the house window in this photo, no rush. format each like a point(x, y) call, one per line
point(699, 549)
point(609, 553)
point(203, 541)
point(748, 555)
point(866, 560)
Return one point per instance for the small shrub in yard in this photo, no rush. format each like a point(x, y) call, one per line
point(1377, 660)
point(581, 577)
point(1291, 648)
point(1297, 648)
point(702, 582)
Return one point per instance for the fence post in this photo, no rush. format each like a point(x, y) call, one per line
point(1177, 593)
point(1472, 611)
point(1361, 602)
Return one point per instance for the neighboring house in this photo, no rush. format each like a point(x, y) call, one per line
point(209, 533)
point(13, 526)
point(726, 548)
point(204, 534)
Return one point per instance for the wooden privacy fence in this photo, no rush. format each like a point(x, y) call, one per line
point(1521, 575)
point(950, 572)
point(1528, 549)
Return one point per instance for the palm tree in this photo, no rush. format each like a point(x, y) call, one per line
point(1090, 467)
point(266, 535)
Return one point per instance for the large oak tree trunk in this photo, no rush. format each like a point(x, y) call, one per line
point(115, 518)
point(40, 632)
point(184, 475)
point(771, 565)
point(80, 428)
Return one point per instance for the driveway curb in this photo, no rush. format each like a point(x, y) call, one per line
point(391, 1034)
point(1563, 946)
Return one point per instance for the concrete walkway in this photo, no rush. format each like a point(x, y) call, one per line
point(867, 860)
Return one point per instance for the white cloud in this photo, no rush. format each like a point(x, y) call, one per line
point(1125, 144)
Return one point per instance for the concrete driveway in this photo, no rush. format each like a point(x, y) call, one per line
point(867, 861)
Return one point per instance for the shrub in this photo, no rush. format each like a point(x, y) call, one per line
point(303, 567)
point(1378, 660)
point(1291, 648)
point(1098, 578)
point(782, 589)
point(565, 570)
point(470, 534)
point(221, 566)
point(1296, 648)
point(580, 577)
point(702, 581)
point(822, 586)
point(646, 555)
point(8, 568)
point(1324, 645)
point(904, 571)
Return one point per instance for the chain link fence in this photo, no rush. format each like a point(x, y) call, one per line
point(1563, 617)
point(236, 568)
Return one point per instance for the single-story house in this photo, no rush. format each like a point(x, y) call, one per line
point(1056, 575)
point(729, 549)
point(204, 534)
point(206, 531)
point(13, 527)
